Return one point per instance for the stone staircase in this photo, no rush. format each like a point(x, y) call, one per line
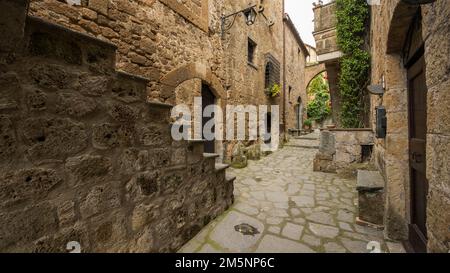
point(310, 141)
point(85, 157)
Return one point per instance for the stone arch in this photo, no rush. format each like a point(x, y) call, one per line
point(400, 22)
point(313, 71)
point(175, 78)
point(201, 71)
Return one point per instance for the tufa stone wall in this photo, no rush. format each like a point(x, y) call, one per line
point(296, 94)
point(153, 37)
point(85, 157)
point(391, 154)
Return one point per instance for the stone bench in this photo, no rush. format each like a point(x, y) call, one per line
point(370, 187)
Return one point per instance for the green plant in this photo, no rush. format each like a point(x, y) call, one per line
point(319, 108)
point(307, 123)
point(352, 16)
point(273, 91)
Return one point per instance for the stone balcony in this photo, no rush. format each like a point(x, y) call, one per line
point(325, 32)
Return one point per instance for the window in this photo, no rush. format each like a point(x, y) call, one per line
point(272, 71)
point(251, 51)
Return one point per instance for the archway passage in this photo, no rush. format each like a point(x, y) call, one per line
point(319, 108)
point(187, 72)
point(208, 85)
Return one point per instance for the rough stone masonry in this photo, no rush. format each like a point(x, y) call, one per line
point(85, 157)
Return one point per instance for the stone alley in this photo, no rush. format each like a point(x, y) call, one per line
point(229, 126)
point(291, 208)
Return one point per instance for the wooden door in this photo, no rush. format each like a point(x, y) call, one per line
point(417, 105)
point(417, 92)
point(208, 99)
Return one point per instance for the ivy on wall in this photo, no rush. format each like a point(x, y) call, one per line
point(352, 17)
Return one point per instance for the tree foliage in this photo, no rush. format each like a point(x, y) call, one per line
point(352, 17)
point(319, 107)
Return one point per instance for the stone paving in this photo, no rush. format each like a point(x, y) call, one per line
point(293, 209)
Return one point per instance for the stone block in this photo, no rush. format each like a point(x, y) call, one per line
point(171, 182)
point(100, 199)
point(75, 105)
point(369, 181)
point(50, 45)
point(66, 213)
point(8, 141)
point(36, 100)
point(143, 215)
point(107, 135)
point(51, 77)
point(327, 143)
point(94, 86)
point(88, 169)
point(148, 183)
point(53, 138)
point(128, 91)
point(11, 90)
point(28, 184)
point(27, 225)
point(123, 113)
point(155, 135)
point(101, 6)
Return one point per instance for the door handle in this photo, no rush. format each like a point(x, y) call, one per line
point(417, 158)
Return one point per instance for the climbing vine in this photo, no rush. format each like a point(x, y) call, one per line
point(352, 17)
point(319, 107)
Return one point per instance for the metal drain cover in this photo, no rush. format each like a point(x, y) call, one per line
point(246, 229)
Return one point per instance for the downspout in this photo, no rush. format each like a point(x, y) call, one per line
point(284, 71)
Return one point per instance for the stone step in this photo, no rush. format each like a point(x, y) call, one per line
point(53, 41)
point(130, 88)
point(306, 138)
point(302, 146)
point(230, 178)
point(209, 155)
point(221, 167)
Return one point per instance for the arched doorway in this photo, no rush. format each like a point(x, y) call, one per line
point(299, 108)
point(199, 76)
point(208, 99)
point(414, 60)
point(319, 108)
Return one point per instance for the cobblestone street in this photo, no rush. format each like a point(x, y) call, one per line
point(292, 208)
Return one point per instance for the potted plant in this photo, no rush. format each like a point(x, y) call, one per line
point(307, 124)
point(273, 91)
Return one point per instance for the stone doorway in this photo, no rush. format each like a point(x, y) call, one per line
point(299, 112)
point(417, 106)
point(208, 99)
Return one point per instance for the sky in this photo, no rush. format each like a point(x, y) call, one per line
point(302, 15)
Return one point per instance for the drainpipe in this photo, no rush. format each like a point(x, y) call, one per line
point(284, 71)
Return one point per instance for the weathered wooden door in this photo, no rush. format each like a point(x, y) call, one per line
point(208, 99)
point(417, 104)
point(299, 113)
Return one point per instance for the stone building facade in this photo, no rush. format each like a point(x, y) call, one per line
point(328, 53)
point(417, 181)
point(88, 117)
point(85, 156)
point(296, 95)
point(180, 47)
